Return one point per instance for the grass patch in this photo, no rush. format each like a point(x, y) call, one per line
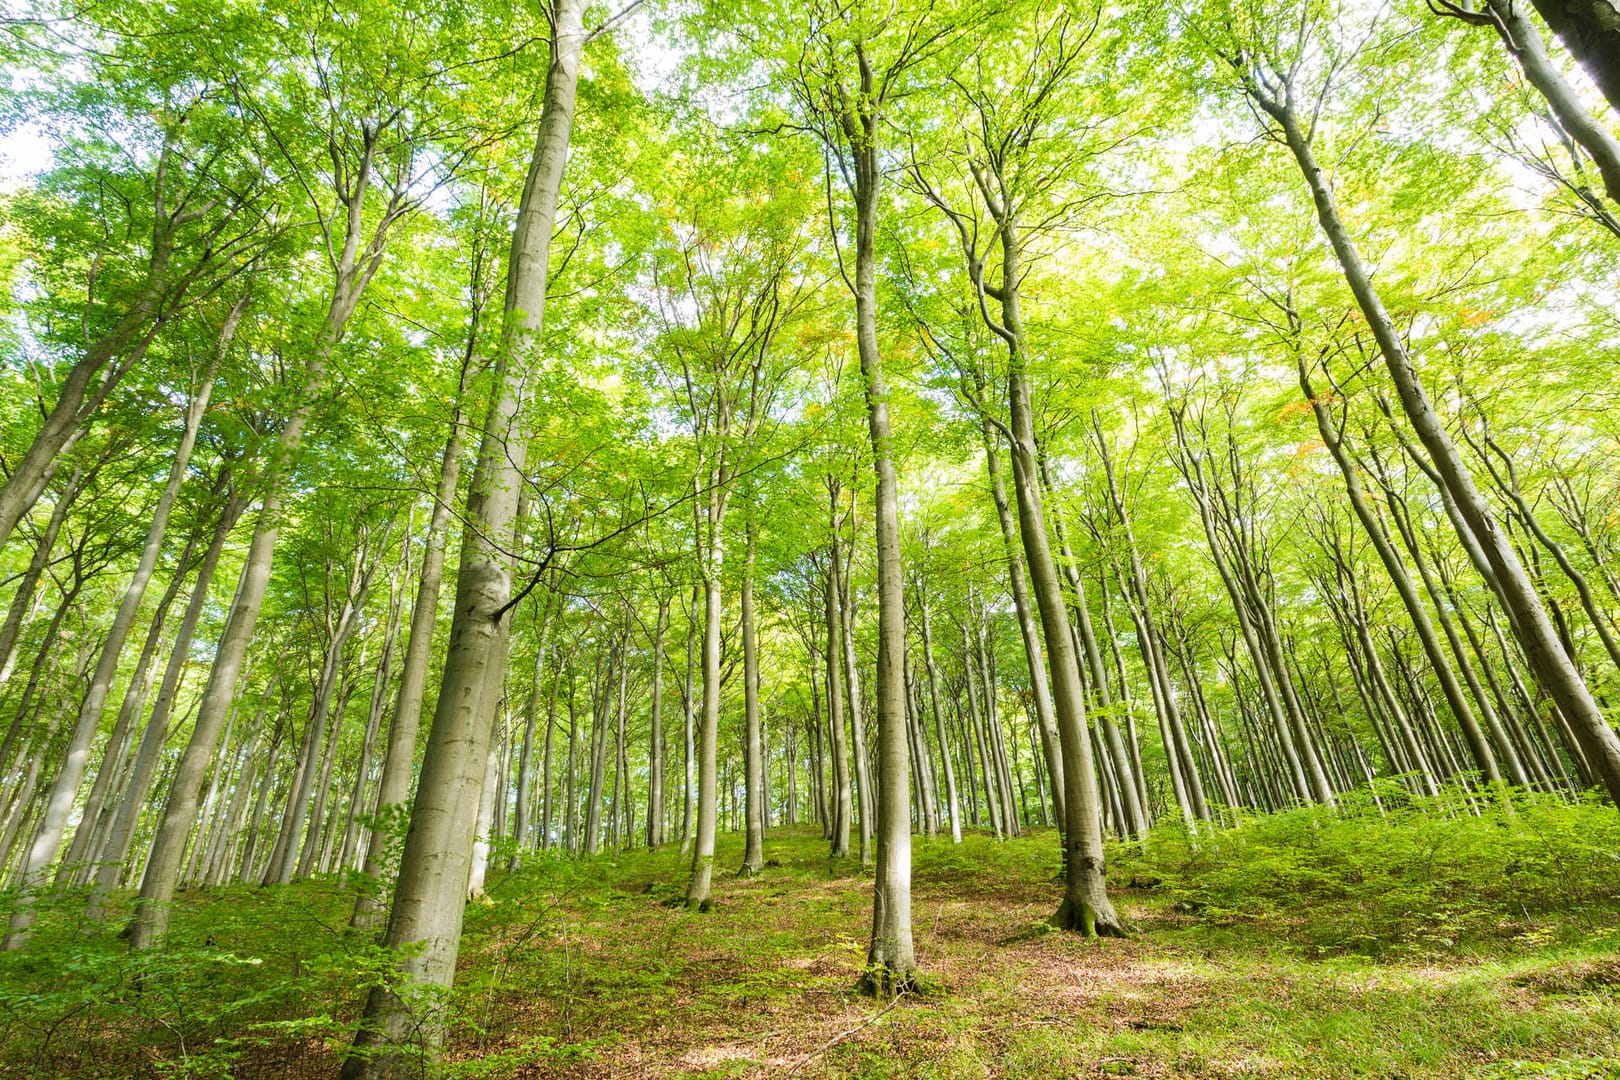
point(1298, 945)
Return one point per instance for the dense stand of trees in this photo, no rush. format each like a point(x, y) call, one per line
point(894, 421)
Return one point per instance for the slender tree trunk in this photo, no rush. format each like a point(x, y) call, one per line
point(864, 795)
point(689, 723)
point(521, 826)
point(317, 796)
point(891, 965)
point(953, 804)
point(698, 890)
point(65, 789)
point(842, 797)
point(975, 740)
point(314, 769)
point(1085, 906)
point(546, 816)
point(116, 849)
point(374, 711)
point(1129, 793)
point(753, 742)
point(97, 815)
point(655, 734)
point(599, 726)
point(482, 838)
point(1050, 743)
point(394, 786)
point(23, 599)
point(1537, 635)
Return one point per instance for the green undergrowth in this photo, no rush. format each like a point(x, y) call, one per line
point(1297, 945)
point(1411, 883)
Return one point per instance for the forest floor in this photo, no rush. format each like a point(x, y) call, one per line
point(1286, 948)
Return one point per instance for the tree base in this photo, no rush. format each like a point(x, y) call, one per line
point(1089, 920)
point(885, 983)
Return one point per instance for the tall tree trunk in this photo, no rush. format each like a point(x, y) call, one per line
point(424, 925)
point(484, 832)
point(975, 740)
point(64, 791)
point(698, 889)
point(1050, 743)
point(546, 817)
point(1590, 30)
point(1133, 742)
point(354, 261)
point(952, 803)
point(1535, 631)
point(320, 734)
point(394, 786)
point(891, 965)
point(842, 797)
point(374, 711)
point(689, 722)
point(311, 857)
point(600, 683)
point(1308, 780)
point(116, 848)
point(97, 815)
point(753, 742)
point(521, 824)
point(1085, 906)
point(655, 734)
point(864, 795)
point(1129, 793)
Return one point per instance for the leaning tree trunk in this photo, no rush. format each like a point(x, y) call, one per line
point(1536, 633)
point(81, 394)
point(158, 884)
point(23, 599)
point(116, 847)
point(424, 925)
point(65, 789)
point(109, 774)
point(1590, 30)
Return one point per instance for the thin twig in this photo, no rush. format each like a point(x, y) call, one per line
point(857, 1029)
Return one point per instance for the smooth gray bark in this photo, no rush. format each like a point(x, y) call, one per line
point(424, 924)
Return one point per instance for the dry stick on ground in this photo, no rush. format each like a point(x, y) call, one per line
point(856, 1030)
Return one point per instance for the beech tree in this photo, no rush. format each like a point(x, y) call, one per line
point(879, 422)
